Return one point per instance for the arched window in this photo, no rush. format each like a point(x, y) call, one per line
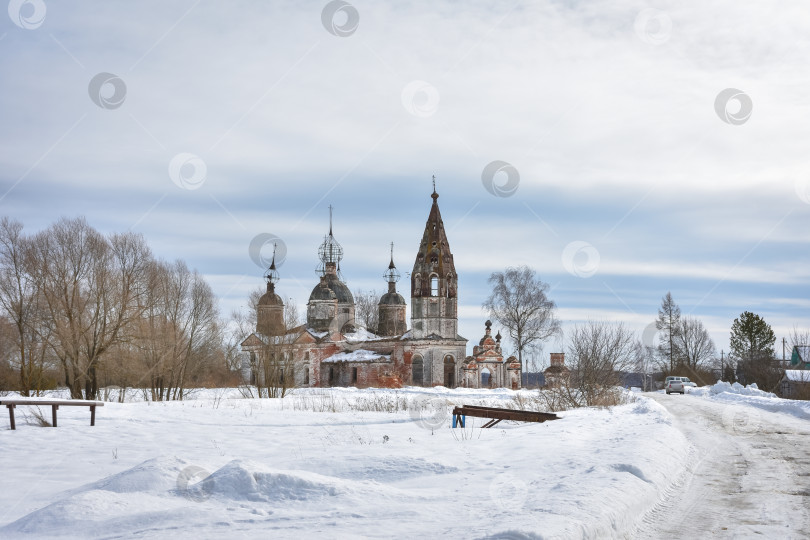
point(434, 285)
point(486, 378)
point(417, 284)
point(417, 377)
point(449, 371)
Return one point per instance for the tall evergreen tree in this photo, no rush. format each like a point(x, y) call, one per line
point(752, 341)
point(669, 315)
point(751, 337)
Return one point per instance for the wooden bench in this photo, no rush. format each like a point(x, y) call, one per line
point(496, 415)
point(54, 403)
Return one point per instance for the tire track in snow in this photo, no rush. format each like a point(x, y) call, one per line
point(742, 478)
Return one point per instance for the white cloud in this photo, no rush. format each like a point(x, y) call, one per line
point(616, 140)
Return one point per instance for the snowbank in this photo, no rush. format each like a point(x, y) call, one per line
point(751, 395)
point(732, 388)
point(250, 467)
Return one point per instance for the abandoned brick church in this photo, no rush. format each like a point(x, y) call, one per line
point(331, 350)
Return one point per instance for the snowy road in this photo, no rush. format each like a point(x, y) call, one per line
point(748, 476)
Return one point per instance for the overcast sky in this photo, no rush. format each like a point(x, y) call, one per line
point(641, 147)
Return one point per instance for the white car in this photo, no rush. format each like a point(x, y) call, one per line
point(684, 383)
point(674, 384)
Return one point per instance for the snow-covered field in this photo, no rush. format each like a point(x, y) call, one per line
point(275, 470)
point(319, 463)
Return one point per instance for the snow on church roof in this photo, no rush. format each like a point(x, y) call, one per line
point(360, 355)
point(361, 335)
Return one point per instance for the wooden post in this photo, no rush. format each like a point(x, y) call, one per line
point(11, 415)
point(53, 411)
point(92, 415)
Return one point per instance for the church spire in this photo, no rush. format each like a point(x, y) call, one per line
point(392, 274)
point(271, 275)
point(434, 281)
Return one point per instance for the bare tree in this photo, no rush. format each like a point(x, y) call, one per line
point(645, 363)
point(179, 331)
point(90, 288)
point(799, 337)
point(274, 366)
point(21, 301)
point(239, 326)
point(597, 352)
point(668, 316)
point(693, 343)
point(366, 309)
point(518, 302)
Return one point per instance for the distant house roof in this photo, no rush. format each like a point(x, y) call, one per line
point(797, 375)
point(801, 355)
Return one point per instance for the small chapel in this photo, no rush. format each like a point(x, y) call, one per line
point(331, 349)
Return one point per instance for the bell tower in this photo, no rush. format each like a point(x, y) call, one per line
point(434, 293)
point(391, 309)
point(270, 310)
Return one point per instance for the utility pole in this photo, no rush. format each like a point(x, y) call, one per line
point(722, 366)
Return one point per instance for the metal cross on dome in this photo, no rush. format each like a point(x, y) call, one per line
point(271, 275)
point(330, 250)
point(392, 274)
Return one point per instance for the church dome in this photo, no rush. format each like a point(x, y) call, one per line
point(340, 290)
point(392, 299)
point(270, 299)
point(322, 292)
